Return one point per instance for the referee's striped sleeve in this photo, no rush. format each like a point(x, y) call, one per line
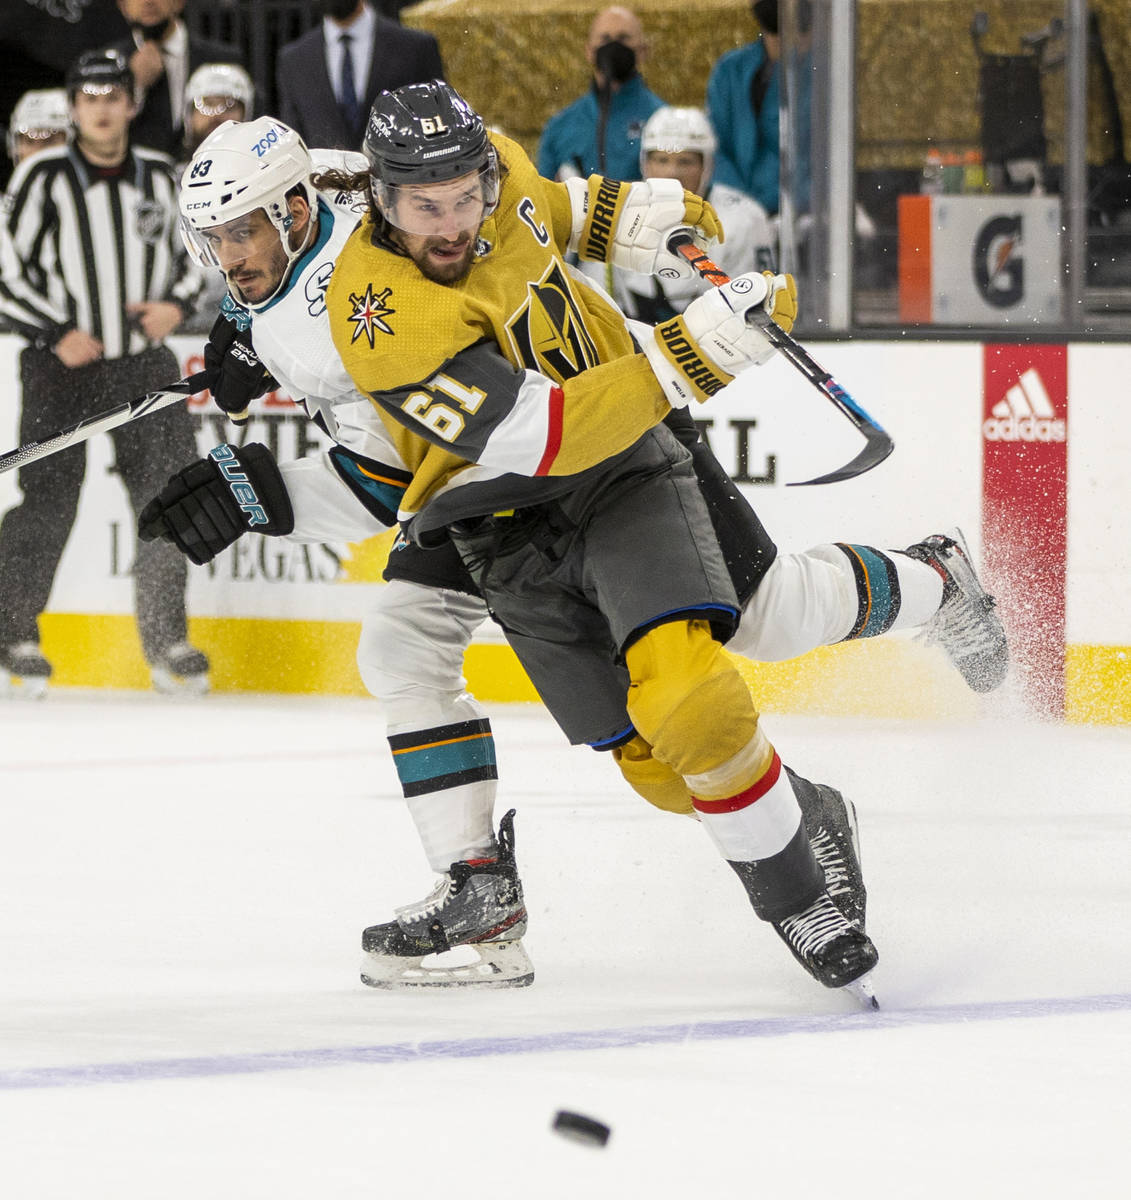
point(187, 279)
point(26, 232)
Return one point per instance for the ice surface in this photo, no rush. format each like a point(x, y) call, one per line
point(183, 886)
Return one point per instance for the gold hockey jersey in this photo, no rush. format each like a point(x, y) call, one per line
point(500, 387)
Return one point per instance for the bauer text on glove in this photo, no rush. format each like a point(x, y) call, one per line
point(212, 503)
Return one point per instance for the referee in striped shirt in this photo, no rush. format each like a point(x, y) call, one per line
point(93, 275)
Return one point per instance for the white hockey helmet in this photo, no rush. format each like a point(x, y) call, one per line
point(38, 115)
point(673, 129)
point(215, 87)
point(239, 168)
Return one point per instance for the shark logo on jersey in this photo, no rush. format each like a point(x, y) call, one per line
point(548, 333)
point(369, 312)
point(316, 284)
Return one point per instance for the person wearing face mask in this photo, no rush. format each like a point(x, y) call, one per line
point(743, 100)
point(328, 79)
point(162, 55)
point(599, 134)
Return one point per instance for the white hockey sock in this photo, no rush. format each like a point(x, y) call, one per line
point(758, 822)
point(448, 777)
point(455, 824)
point(921, 588)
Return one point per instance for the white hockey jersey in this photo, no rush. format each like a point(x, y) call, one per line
point(749, 246)
point(352, 490)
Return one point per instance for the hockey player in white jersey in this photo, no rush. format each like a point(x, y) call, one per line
point(258, 216)
point(251, 209)
point(679, 143)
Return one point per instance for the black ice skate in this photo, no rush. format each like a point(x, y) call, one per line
point(966, 625)
point(476, 906)
point(182, 669)
point(830, 822)
point(836, 952)
point(24, 671)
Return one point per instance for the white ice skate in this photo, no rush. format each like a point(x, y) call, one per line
point(24, 671)
point(466, 933)
point(966, 625)
point(182, 670)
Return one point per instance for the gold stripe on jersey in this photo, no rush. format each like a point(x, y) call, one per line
point(519, 296)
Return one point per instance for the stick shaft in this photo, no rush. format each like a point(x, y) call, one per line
point(109, 418)
point(879, 443)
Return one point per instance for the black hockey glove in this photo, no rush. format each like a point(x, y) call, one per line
point(212, 503)
point(235, 374)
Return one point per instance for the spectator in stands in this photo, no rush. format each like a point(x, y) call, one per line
point(743, 99)
point(40, 120)
point(599, 134)
point(215, 93)
point(95, 320)
point(328, 79)
point(679, 143)
point(163, 54)
point(39, 41)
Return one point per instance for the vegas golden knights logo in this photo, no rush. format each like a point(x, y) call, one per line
point(548, 333)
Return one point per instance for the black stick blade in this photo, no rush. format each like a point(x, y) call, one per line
point(877, 447)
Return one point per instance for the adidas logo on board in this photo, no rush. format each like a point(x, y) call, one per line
point(1025, 415)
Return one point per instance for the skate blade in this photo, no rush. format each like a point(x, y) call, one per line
point(861, 991)
point(492, 965)
point(168, 684)
point(15, 687)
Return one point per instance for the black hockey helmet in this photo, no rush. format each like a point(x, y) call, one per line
point(96, 70)
point(426, 133)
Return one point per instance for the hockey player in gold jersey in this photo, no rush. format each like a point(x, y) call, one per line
point(412, 648)
point(531, 422)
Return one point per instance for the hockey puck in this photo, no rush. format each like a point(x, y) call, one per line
point(579, 1128)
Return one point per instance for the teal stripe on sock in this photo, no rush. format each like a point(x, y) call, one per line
point(880, 614)
point(414, 766)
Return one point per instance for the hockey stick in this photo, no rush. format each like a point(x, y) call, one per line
point(110, 418)
point(877, 442)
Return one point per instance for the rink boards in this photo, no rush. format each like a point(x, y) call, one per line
point(1023, 447)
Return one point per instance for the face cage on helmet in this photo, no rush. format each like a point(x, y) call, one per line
point(37, 133)
point(706, 172)
point(200, 251)
point(388, 196)
point(227, 103)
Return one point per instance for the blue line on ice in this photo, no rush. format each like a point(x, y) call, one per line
point(543, 1043)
